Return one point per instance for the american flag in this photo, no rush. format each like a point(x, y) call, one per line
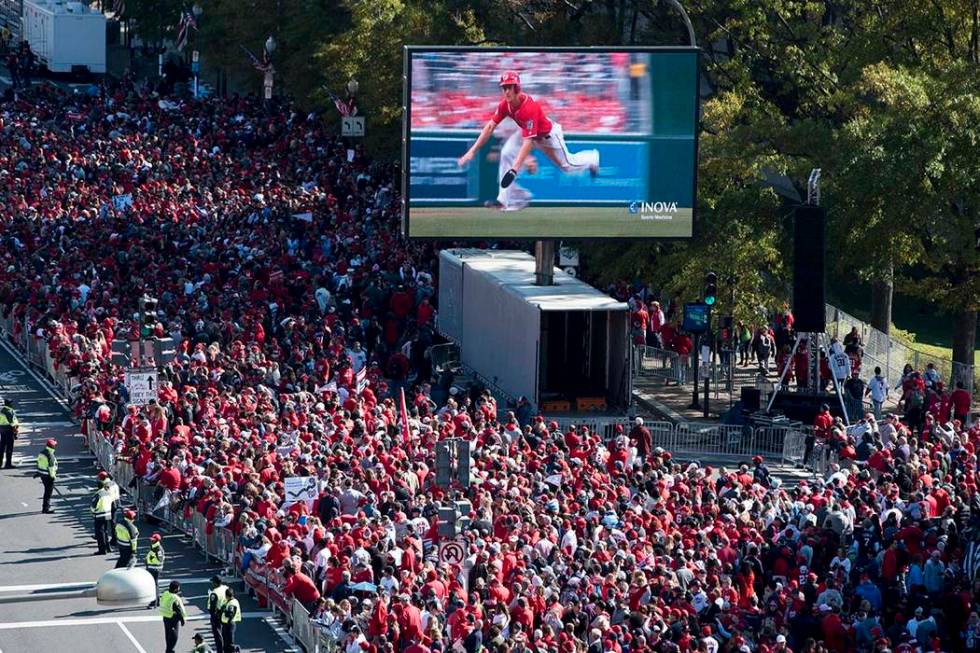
point(346, 107)
point(971, 561)
point(264, 65)
point(184, 27)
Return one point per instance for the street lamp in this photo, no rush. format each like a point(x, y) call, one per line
point(195, 56)
point(270, 47)
point(352, 87)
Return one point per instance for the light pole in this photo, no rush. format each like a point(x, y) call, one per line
point(270, 73)
point(196, 56)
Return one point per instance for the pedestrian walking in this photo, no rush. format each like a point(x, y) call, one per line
point(173, 613)
point(154, 564)
point(9, 426)
point(47, 470)
point(217, 597)
point(113, 489)
point(878, 389)
point(231, 616)
point(102, 515)
point(126, 536)
point(199, 645)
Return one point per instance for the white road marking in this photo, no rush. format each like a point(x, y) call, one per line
point(82, 584)
point(25, 505)
point(131, 638)
point(284, 635)
point(99, 621)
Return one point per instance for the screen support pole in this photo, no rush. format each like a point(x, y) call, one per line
point(544, 263)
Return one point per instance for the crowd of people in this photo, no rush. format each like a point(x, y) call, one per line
point(300, 317)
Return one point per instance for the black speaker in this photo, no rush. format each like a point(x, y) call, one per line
point(808, 269)
point(751, 398)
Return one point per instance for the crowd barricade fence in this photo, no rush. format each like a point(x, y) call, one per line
point(303, 630)
point(659, 363)
point(691, 438)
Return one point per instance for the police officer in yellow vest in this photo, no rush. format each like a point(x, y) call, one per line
point(172, 610)
point(8, 433)
point(47, 469)
point(154, 564)
point(231, 616)
point(126, 536)
point(101, 515)
point(216, 603)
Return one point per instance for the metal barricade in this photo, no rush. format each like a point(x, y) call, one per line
point(225, 544)
point(302, 630)
point(659, 363)
point(772, 439)
point(794, 445)
point(700, 439)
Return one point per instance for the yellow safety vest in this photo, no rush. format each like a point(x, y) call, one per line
point(154, 558)
point(103, 504)
point(124, 536)
point(170, 603)
point(47, 464)
point(217, 599)
point(232, 612)
point(8, 417)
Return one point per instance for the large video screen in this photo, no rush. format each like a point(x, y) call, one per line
point(566, 143)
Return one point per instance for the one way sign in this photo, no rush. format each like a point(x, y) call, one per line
point(142, 386)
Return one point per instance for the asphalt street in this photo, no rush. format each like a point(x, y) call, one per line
point(57, 553)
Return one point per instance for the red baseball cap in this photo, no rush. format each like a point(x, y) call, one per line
point(510, 77)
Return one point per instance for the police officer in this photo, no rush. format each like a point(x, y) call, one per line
point(199, 645)
point(102, 516)
point(231, 616)
point(47, 469)
point(8, 433)
point(173, 613)
point(154, 564)
point(217, 596)
point(126, 535)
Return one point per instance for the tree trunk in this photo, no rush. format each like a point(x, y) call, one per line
point(964, 336)
point(882, 291)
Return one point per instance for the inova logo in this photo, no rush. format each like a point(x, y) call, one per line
point(653, 210)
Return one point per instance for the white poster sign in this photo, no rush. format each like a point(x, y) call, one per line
point(301, 488)
point(142, 386)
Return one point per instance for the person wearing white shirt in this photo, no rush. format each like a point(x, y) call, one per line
point(357, 356)
point(878, 389)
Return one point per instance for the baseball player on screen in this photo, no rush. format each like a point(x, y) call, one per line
point(535, 131)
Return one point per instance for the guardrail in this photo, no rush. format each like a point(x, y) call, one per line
point(215, 542)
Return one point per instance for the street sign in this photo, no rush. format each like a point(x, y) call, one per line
point(268, 92)
point(195, 56)
point(697, 317)
point(352, 126)
point(142, 385)
point(451, 552)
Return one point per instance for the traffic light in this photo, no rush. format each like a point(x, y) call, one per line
point(710, 288)
point(148, 315)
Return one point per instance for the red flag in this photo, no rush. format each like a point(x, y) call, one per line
point(403, 409)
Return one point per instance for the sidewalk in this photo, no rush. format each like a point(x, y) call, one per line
point(672, 401)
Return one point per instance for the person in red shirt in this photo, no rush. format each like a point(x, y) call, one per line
point(535, 130)
point(302, 587)
point(960, 400)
